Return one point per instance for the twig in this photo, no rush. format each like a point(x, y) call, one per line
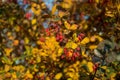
point(94, 74)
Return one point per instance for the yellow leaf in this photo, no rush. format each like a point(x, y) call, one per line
point(112, 76)
point(28, 51)
point(7, 68)
point(99, 38)
point(74, 45)
point(75, 37)
point(107, 70)
point(65, 70)
point(92, 47)
point(33, 21)
point(70, 74)
point(34, 50)
point(85, 26)
point(8, 51)
point(69, 79)
point(54, 9)
point(43, 54)
point(42, 66)
point(66, 4)
point(109, 13)
point(39, 42)
point(11, 38)
point(58, 76)
point(97, 1)
point(67, 25)
point(61, 14)
point(71, 70)
point(92, 38)
point(77, 62)
point(60, 51)
point(37, 12)
point(36, 8)
point(53, 56)
point(43, 5)
point(90, 66)
point(38, 59)
point(34, 28)
point(61, 65)
point(73, 27)
point(71, 45)
point(14, 76)
point(118, 8)
point(26, 40)
point(29, 75)
point(85, 40)
point(83, 54)
point(47, 78)
point(9, 33)
point(17, 28)
point(42, 74)
point(84, 62)
point(104, 67)
point(34, 5)
point(8, 74)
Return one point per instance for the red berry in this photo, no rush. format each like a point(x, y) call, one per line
point(95, 67)
point(63, 56)
point(72, 58)
point(78, 48)
point(28, 15)
point(42, 39)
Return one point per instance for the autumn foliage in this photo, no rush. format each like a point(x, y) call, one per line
point(75, 40)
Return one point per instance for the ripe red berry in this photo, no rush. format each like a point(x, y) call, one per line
point(95, 66)
point(78, 48)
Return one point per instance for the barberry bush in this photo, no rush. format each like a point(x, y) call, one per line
point(59, 39)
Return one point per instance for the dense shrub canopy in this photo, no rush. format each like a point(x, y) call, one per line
point(60, 39)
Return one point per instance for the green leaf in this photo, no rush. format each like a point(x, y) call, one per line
point(6, 60)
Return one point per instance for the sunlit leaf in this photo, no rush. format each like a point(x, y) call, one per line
point(73, 27)
point(54, 9)
point(69, 79)
point(38, 59)
point(75, 38)
point(90, 66)
point(85, 40)
point(67, 4)
point(71, 45)
point(26, 40)
point(28, 74)
point(67, 25)
point(33, 21)
point(83, 54)
point(8, 51)
point(97, 1)
point(92, 47)
point(109, 13)
point(61, 14)
point(7, 68)
point(85, 26)
point(70, 74)
point(60, 51)
point(28, 50)
point(58, 76)
point(6, 60)
point(104, 67)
